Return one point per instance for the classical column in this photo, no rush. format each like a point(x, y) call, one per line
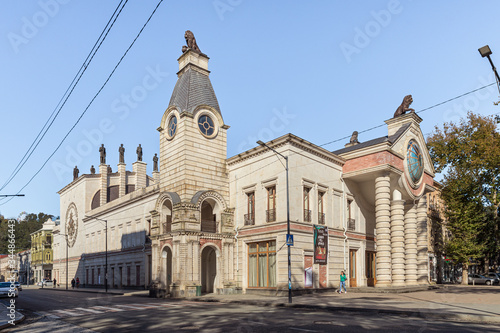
point(383, 229)
point(411, 245)
point(397, 240)
point(422, 256)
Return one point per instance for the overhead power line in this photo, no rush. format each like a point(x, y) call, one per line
point(67, 93)
point(91, 101)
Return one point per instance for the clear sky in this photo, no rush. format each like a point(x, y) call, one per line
point(317, 69)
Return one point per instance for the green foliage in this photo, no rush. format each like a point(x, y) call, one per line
point(23, 230)
point(469, 154)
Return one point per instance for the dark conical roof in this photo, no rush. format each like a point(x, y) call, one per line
point(192, 90)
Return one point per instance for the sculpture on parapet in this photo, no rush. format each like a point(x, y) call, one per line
point(191, 43)
point(109, 169)
point(405, 106)
point(121, 150)
point(102, 152)
point(139, 153)
point(354, 138)
point(155, 163)
point(75, 173)
point(92, 170)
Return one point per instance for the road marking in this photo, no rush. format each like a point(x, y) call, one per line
point(107, 308)
point(145, 306)
point(131, 307)
point(69, 313)
point(88, 310)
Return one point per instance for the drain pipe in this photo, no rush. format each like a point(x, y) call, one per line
point(343, 217)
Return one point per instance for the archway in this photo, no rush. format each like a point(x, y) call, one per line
point(208, 269)
point(166, 268)
point(166, 216)
point(209, 211)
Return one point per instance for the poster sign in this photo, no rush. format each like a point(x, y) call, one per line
point(320, 244)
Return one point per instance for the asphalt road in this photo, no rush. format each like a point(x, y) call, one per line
point(61, 311)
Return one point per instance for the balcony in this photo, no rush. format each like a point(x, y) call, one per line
point(271, 215)
point(307, 215)
point(351, 224)
point(209, 226)
point(249, 219)
point(321, 218)
point(167, 225)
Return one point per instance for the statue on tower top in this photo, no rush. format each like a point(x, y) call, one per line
point(191, 43)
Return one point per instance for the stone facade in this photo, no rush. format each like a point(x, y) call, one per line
point(207, 223)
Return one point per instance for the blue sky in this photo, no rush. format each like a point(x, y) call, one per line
point(317, 69)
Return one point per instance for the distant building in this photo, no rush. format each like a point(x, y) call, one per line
point(24, 267)
point(207, 223)
point(41, 252)
point(4, 267)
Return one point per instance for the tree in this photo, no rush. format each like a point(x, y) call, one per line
point(22, 230)
point(469, 154)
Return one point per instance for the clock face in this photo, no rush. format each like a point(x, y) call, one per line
point(206, 125)
point(415, 161)
point(71, 224)
point(172, 126)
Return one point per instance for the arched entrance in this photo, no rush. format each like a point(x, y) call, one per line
point(166, 268)
point(208, 269)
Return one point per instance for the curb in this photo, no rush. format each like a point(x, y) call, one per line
point(85, 291)
point(480, 319)
point(16, 321)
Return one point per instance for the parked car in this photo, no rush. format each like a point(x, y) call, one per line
point(46, 283)
point(492, 275)
point(7, 291)
point(18, 285)
point(481, 279)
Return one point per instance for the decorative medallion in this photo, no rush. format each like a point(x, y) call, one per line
point(71, 224)
point(172, 126)
point(414, 161)
point(206, 125)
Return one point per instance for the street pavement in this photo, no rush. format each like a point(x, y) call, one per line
point(475, 304)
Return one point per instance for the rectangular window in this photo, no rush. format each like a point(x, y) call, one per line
point(262, 264)
point(271, 204)
point(307, 211)
point(351, 223)
point(321, 212)
point(250, 216)
point(137, 275)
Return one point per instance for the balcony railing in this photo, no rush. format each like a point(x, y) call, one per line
point(351, 224)
point(307, 215)
point(208, 226)
point(271, 215)
point(321, 218)
point(167, 225)
point(249, 219)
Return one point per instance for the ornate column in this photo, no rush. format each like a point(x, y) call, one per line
point(422, 256)
point(383, 225)
point(411, 245)
point(397, 240)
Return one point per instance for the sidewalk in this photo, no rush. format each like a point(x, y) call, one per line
point(479, 304)
point(122, 292)
point(7, 314)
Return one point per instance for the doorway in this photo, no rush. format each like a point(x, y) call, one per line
point(370, 269)
point(166, 268)
point(208, 269)
point(352, 268)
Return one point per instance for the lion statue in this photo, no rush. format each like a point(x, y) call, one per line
point(404, 107)
point(191, 42)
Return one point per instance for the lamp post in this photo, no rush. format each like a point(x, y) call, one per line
point(287, 219)
point(106, 266)
point(485, 51)
point(67, 272)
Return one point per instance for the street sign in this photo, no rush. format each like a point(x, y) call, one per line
point(289, 240)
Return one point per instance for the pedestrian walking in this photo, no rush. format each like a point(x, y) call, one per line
point(77, 283)
point(73, 283)
point(342, 282)
point(54, 282)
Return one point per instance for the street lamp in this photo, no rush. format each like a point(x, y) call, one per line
point(67, 272)
point(287, 219)
point(485, 51)
point(105, 267)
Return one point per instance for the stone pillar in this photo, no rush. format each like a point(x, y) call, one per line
point(123, 179)
point(383, 225)
point(422, 256)
point(411, 245)
point(156, 177)
point(139, 168)
point(397, 240)
point(103, 170)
